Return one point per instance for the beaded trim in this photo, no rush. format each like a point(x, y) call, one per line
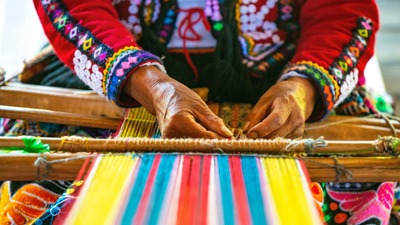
point(88, 72)
point(75, 33)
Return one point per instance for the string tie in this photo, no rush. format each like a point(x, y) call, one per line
point(187, 32)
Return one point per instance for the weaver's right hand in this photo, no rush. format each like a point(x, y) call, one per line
point(180, 111)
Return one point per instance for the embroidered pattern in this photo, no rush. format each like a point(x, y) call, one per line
point(28, 202)
point(321, 77)
point(261, 39)
point(357, 103)
point(362, 206)
point(342, 77)
point(120, 64)
point(94, 62)
point(347, 86)
point(343, 68)
point(75, 33)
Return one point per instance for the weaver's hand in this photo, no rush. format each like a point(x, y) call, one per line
point(282, 110)
point(180, 111)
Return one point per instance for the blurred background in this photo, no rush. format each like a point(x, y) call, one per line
point(21, 36)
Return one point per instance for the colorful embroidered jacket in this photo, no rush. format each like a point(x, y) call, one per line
point(247, 44)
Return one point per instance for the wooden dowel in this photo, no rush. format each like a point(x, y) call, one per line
point(363, 169)
point(277, 146)
point(49, 116)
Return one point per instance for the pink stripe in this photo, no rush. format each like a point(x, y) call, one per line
point(205, 179)
point(239, 191)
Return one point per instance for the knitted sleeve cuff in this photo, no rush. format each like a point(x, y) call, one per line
point(122, 65)
point(324, 83)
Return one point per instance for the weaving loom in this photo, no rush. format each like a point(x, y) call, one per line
point(190, 188)
point(214, 187)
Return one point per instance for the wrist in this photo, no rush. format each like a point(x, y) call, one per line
point(143, 84)
point(310, 93)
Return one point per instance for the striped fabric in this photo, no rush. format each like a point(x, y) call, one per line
point(194, 189)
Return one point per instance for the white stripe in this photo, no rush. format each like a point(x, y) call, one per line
point(212, 205)
point(174, 202)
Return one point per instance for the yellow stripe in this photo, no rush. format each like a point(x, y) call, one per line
point(102, 201)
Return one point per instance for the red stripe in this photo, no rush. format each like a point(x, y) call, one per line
point(194, 190)
point(142, 209)
point(239, 191)
point(182, 216)
point(205, 179)
point(305, 171)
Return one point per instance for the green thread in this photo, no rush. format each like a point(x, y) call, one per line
point(35, 145)
point(395, 143)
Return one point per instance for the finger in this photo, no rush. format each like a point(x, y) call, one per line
point(256, 115)
point(293, 128)
point(213, 123)
point(187, 127)
point(286, 131)
point(296, 133)
point(274, 121)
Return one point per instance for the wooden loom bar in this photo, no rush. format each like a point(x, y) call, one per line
point(260, 146)
point(49, 116)
point(68, 105)
point(58, 99)
point(65, 100)
point(340, 131)
point(88, 102)
point(362, 169)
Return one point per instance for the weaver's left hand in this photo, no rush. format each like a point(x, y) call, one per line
point(282, 110)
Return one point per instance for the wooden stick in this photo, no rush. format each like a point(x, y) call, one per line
point(49, 116)
point(66, 166)
point(260, 146)
point(359, 120)
point(335, 132)
point(346, 131)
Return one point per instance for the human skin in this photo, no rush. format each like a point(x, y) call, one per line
point(280, 112)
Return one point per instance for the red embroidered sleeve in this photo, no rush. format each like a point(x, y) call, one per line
point(88, 37)
point(336, 41)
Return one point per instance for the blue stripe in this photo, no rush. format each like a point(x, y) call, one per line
point(253, 189)
point(160, 187)
point(146, 161)
point(226, 190)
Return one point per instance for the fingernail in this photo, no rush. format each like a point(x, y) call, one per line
point(246, 126)
point(252, 135)
point(226, 131)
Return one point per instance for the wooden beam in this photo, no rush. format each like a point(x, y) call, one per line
point(66, 167)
